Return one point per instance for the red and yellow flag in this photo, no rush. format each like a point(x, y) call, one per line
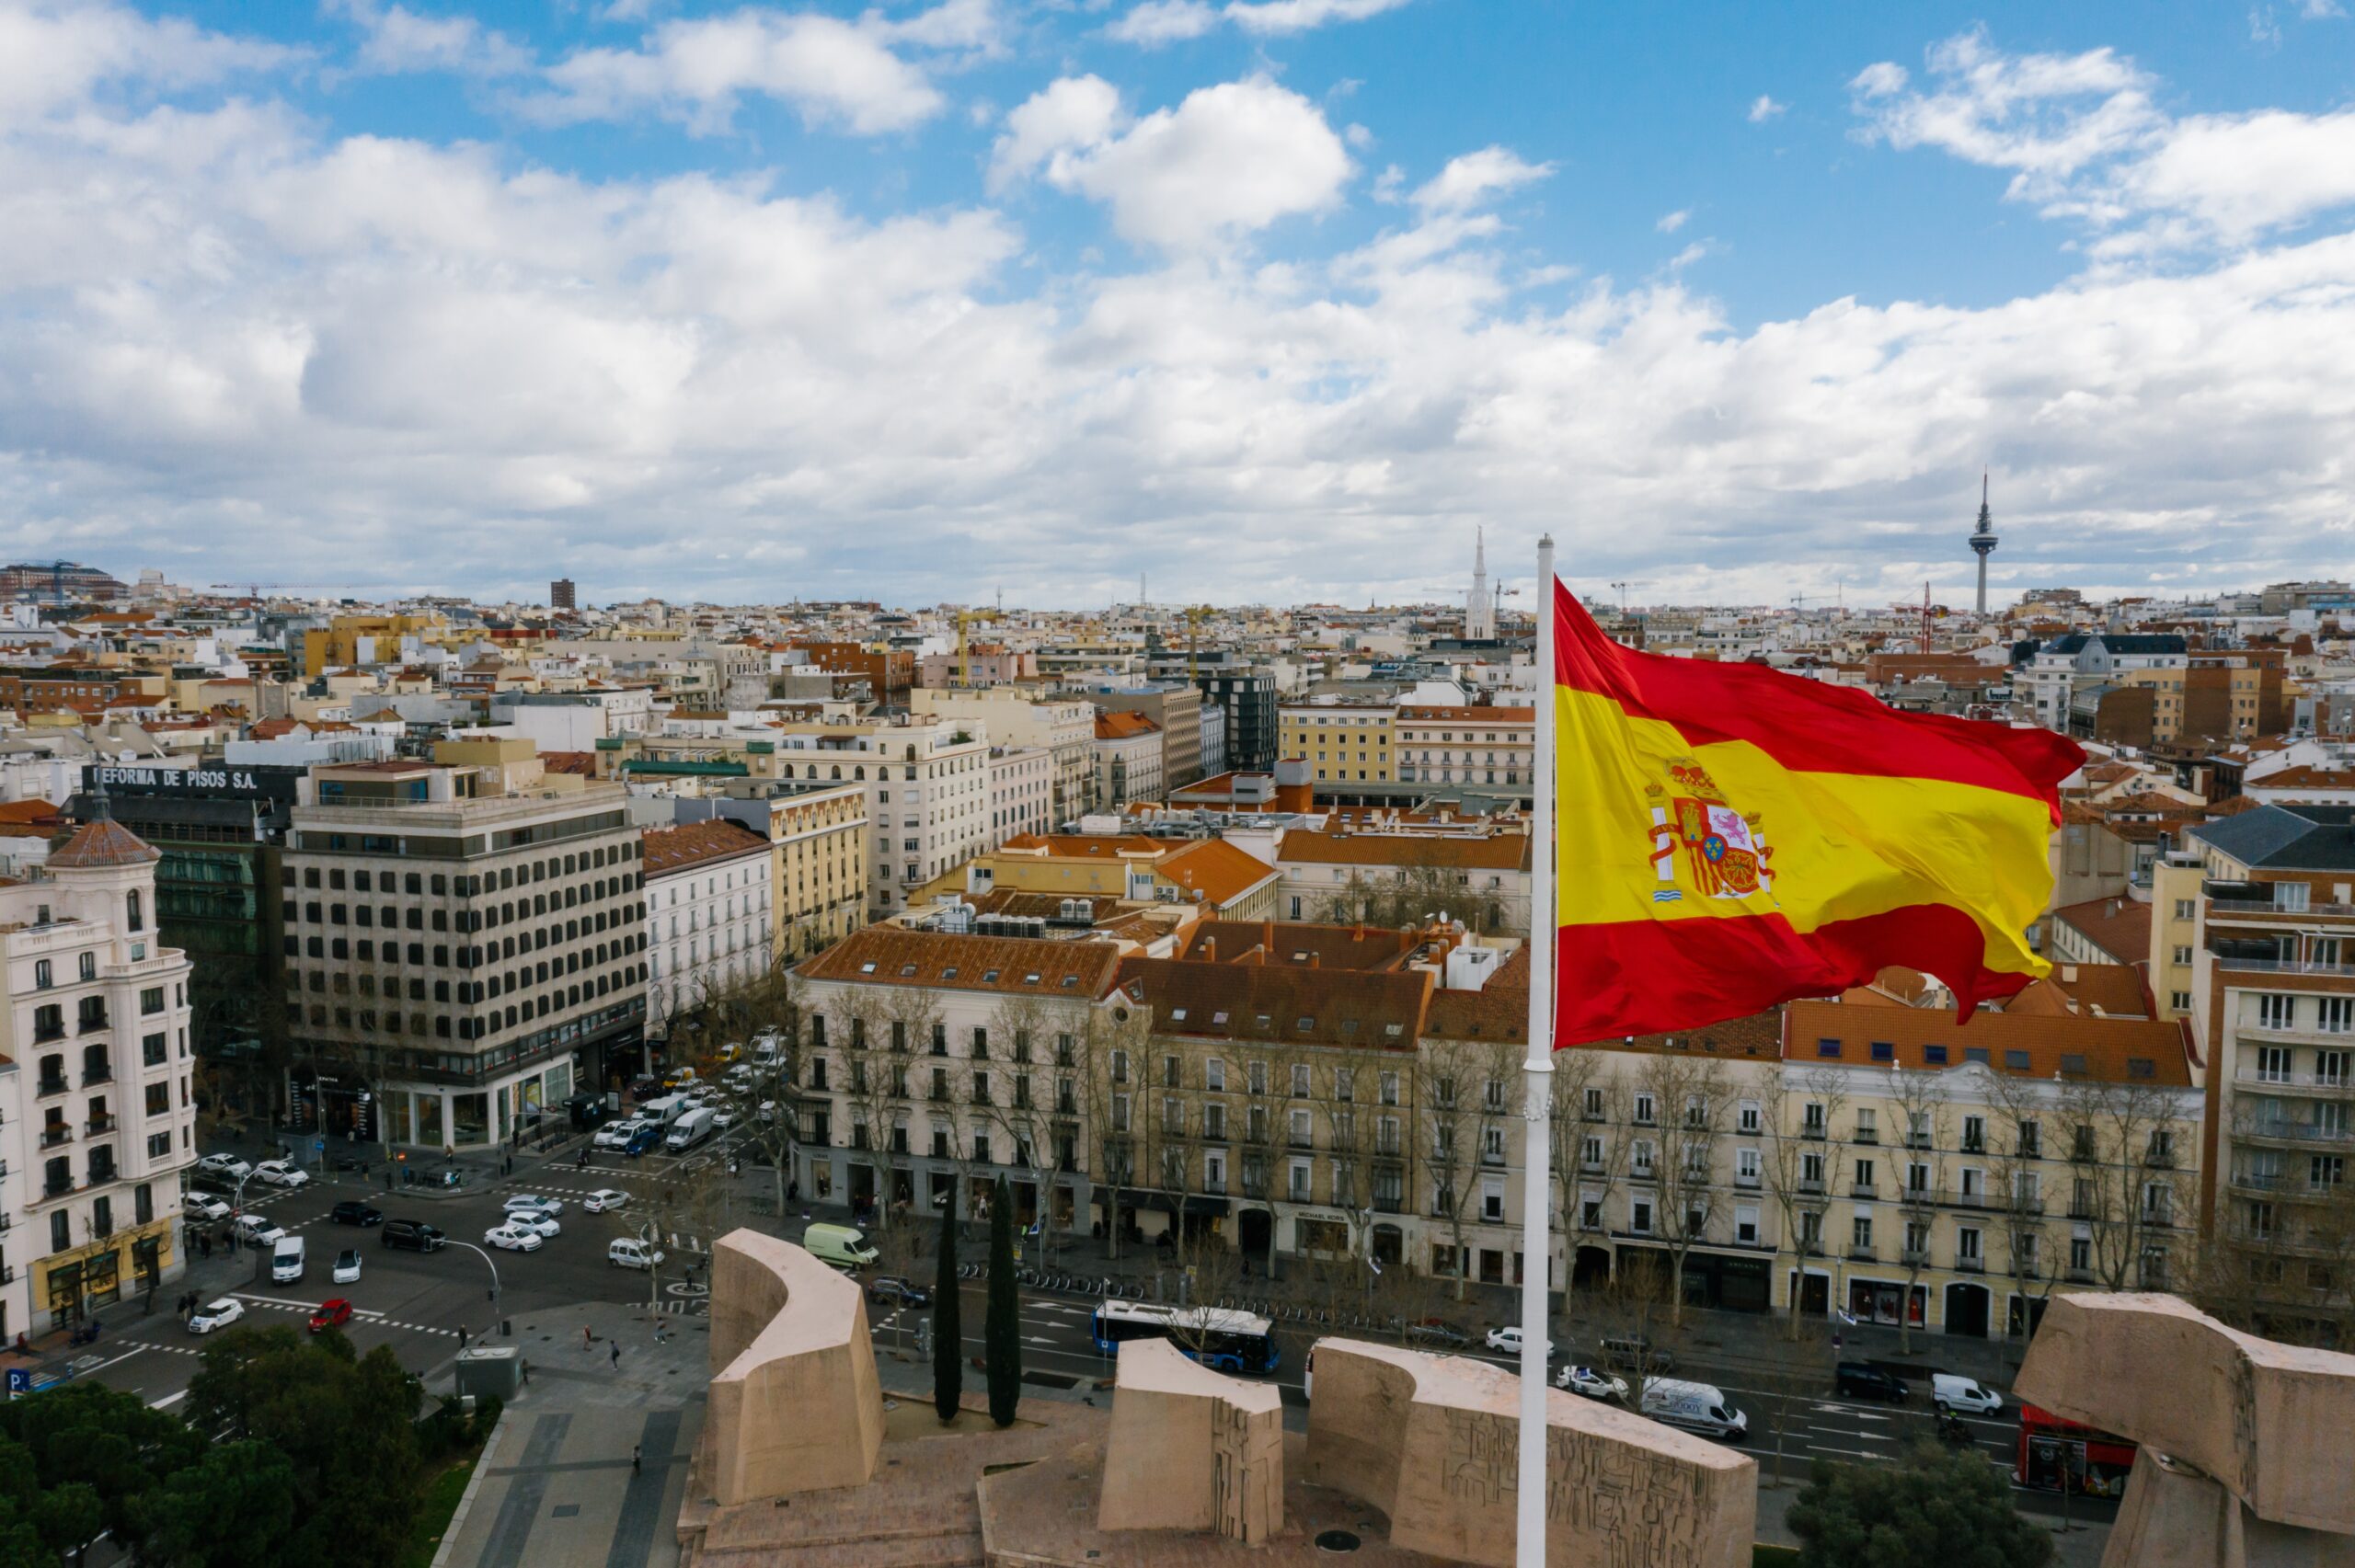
point(1730, 836)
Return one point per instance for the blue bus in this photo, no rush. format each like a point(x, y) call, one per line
point(1226, 1341)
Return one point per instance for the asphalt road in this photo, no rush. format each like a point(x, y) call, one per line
point(416, 1302)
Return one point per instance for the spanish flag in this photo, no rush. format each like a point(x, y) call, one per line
point(1730, 836)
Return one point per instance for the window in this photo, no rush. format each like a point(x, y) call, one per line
point(132, 918)
point(1214, 1075)
point(1746, 1167)
point(1644, 1116)
point(2274, 1012)
point(151, 1050)
point(2186, 909)
point(151, 1000)
point(41, 978)
point(1300, 1080)
point(2273, 1064)
point(2337, 1014)
point(2183, 952)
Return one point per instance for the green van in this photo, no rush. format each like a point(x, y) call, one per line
point(841, 1245)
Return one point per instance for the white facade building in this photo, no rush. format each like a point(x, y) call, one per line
point(1022, 792)
point(927, 793)
point(708, 915)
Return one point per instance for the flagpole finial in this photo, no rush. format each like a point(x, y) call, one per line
point(1545, 542)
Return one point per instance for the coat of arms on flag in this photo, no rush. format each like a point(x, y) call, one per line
point(1724, 853)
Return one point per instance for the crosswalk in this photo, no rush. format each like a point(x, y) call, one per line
point(360, 1314)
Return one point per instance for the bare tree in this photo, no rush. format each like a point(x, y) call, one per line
point(2127, 1183)
point(1410, 897)
point(1026, 1111)
point(1111, 1052)
point(1919, 1099)
point(1576, 1111)
point(1452, 1089)
point(1798, 1163)
point(1689, 1094)
point(2019, 1119)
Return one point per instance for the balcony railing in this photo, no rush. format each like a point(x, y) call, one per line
point(2080, 1276)
point(2261, 1078)
point(2281, 1127)
point(1970, 1265)
point(54, 1086)
point(96, 1075)
point(1861, 1254)
point(1864, 1191)
point(1913, 1257)
point(56, 1186)
point(51, 1136)
point(98, 1125)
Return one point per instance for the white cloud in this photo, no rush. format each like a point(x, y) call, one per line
point(1672, 222)
point(399, 39)
point(2319, 10)
point(1301, 16)
point(2087, 141)
point(1164, 21)
point(835, 73)
point(1228, 160)
point(2263, 27)
point(53, 53)
point(1072, 113)
point(1471, 179)
point(1764, 108)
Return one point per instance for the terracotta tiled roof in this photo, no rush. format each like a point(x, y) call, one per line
point(1503, 852)
point(1121, 724)
point(582, 762)
point(1475, 715)
point(2025, 1045)
point(1253, 1002)
point(1367, 947)
point(2120, 927)
point(698, 843)
point(1214, 868)
point(103, 844)
point(893, 955)
point(1087, 846)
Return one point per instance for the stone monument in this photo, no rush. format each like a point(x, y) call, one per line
point(2246, 1443)
point(1192, 1449)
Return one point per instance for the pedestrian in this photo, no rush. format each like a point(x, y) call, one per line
point(633, 1468)
point(617, 1355)
point(527, 1374)
point(461, 1336)
point(587, 1339)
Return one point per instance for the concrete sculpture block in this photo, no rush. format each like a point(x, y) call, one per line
point(2268, 1423)
point(1430, 1441)
point(795, 1402)
point(1192, 1449)
point(2176, 1518)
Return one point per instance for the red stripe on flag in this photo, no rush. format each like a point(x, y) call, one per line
point(1661, 976)
point(1805, 724)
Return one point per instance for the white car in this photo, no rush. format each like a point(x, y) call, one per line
point(537, 1223)
point(205, 1206)
point(616, 1135)
point(224, 1165)
point(512, 1237)
point(256, 1230)
point(347, 1267)
point(278, 1174)
point(215, 1315)
point(768, 1110)
point(523, 1203)
point(632, 1252)
point(605, 1200)
point(1508, 1341)
point(1594, 1385)
point(722, 1120)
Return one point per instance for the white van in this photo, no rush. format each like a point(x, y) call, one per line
point(1695, 1407)
point(841, 1245)
point(764, 1046)
point(1961, 1395)
point(630, 1252)
point(689, 1130)
point(664, 1111)
point(286, 1260)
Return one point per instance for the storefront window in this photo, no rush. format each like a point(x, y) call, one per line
point(396, 1117)
point(471, 1116)
point(429, 1121)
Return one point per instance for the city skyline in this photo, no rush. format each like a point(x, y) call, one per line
point(639, 293)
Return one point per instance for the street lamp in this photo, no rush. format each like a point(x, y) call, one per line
point(320, 1092)
point(489, 1263)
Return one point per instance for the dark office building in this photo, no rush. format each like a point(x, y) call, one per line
point(561, 594)
point(1249, 696)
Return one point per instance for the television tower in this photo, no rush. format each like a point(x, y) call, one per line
point(1982, 540)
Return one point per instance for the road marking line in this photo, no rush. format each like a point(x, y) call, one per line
point(168, 1400)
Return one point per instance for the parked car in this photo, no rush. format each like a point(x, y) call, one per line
point(203, 1206)
point(1634, 1350)
point(527, 1202)
point(605, 1200)
point(257, 1230)
point(890, 1288)
point(280, 1173)
point(332, 1313)
point(646, 1137)
point(645, 1087)
point(351, 1211)
point(539, 1224)
point(768, 1111)
point(217, 1314)
point(1507, 1340)
point(722, 1120)
point(346, 1267)
point(227, 1165)
point(1949, 1391)
point(1861, 1380)
point(414, 1235)
point(1592, 1384)
point(1433, 1333)
point(289, 1256)
point(512, 1237)
point(616, 1135)
point(631, 1252)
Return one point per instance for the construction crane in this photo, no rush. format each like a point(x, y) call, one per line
point(964, 656)
point(1623, 588)
point(1195, 615)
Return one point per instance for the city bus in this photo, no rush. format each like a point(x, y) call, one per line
point(1227, 1341)
point(2058, 1455)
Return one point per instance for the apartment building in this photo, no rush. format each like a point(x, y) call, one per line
point(1064, 727)
point(1489, 750)
point(1340, 741)
point(1178, 709)
point(1128, 760)
point(1219, 879)
point(466, 945)
point(1372, 874)
point(1022, 792)
point(934, 1063)
point(2059, 668)
point(2273, 1007)
point(817, 838)
point(709, 921)
point(1950, 1177)
point(95, 1094)
point(927, 793)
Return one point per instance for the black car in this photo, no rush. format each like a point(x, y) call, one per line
point(351, 1211)
point(414, 1234)
point(1433, 1333)
point(900, 1293)
point(1860, 1379)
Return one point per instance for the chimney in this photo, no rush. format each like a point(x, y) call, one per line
point(1209, 949)
point(1268, 935)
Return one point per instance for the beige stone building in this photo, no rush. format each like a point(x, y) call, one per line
point(818, 838)
point(1017, 719)
point(1474, 748)
point(1340, 741)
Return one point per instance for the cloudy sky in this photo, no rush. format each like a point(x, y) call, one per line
point(1272, 300)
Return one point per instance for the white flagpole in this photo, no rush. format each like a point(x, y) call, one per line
point(1537, 1177)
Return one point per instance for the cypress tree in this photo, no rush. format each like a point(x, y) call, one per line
point(948, 1334)
point(1002, 1330)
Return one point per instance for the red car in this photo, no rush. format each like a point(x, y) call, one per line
point(331, 1314)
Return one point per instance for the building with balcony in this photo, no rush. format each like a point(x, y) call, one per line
point(1342, 742)
point(817, 838)
point(1127, 750)
point(1018, 720)
point(2271, 895)
point(97, 1118)
point(464, 944)
point(928, 788)
point(1489, 751)
point(708, 923)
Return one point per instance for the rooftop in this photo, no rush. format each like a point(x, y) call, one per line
point(669, 849)
point(894, 955)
